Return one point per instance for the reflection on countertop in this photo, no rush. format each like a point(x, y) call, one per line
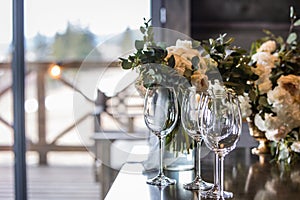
point(247, 176)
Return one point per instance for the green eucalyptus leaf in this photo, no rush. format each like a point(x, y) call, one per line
point(297, 23)
point(291, 38)
point(267, 32)
point(159, 78)
point(279, 40)
point(195, 44)
point(252, 95)
point(206, 48)
point(139, 44)
point(151, 72)
point(142, 29)
point(160, 53)
point(291, 12)
point(150, 30)
point(220, 48)
point(149, 53)
point(195, 63)
point(263, 101)
point(211, 41)
point(126, 65)
point(229, 41)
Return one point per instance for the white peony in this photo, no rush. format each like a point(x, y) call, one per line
point(296, 146)
point(264, 86)
point(259, 122)
point(284, 101)
point(276, 134)
point(183, 49)
point(275, 129)
point(184, 43)
point(265, 61)
point(245, 105)
point(268, 46)
point(291, 83)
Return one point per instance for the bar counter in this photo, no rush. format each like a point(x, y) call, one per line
point(247, 176)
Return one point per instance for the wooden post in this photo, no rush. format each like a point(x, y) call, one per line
point(41, 116)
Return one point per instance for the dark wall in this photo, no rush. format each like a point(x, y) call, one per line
point(242, 19)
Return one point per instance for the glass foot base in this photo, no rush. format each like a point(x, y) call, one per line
point(161, 180)
point(215, 194)
point(198, 184)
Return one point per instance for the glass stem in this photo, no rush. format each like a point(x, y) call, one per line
point(221, 166)
point(198, 158)
point(161, 145)
point(216, 174)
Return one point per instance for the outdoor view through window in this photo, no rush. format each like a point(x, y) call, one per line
point(58, 32)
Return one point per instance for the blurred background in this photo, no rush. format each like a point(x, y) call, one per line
point(61, 34)
point(58, 33)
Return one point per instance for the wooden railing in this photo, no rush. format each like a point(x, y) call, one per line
point(42, 147)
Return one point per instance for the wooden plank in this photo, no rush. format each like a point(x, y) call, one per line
point(36, 147)
point(120, 136)
point(53, 182)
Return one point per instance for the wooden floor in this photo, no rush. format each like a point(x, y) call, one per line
point(54, 182)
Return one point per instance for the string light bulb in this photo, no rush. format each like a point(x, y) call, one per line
point(55, 71)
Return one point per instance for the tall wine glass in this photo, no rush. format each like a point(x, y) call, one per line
point(189, 118)
point(221, 121)
point(160, 115)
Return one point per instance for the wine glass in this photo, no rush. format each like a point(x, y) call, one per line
point(189, 118)
point(160, 115)
point(220, 118)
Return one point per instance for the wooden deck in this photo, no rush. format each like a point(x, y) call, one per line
point(53, 182)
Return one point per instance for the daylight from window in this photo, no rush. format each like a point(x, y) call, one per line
point(58, 31)
point(45, 19)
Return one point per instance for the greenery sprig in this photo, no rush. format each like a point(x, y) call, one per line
point(232, 64)
point(147, 51)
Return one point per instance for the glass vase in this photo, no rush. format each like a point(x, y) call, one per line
point(179, 151)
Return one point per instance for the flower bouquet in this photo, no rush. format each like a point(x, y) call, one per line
point(268, 84)
point(179, 66)
point(273, 105)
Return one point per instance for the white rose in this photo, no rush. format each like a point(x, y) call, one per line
point(265, 58)
point(183, 54)
point(285, 105)
point(291, 83)
point(296, 146)
point(275, 123)
point(200, 81)
point(268, 46)
point(184, 43)
point(277, 96)
point(183, 48)
point(245, 105)
point(276, 134)
point(265, 61)
point(265, 86)
point(261, 70)
point(259, 123)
